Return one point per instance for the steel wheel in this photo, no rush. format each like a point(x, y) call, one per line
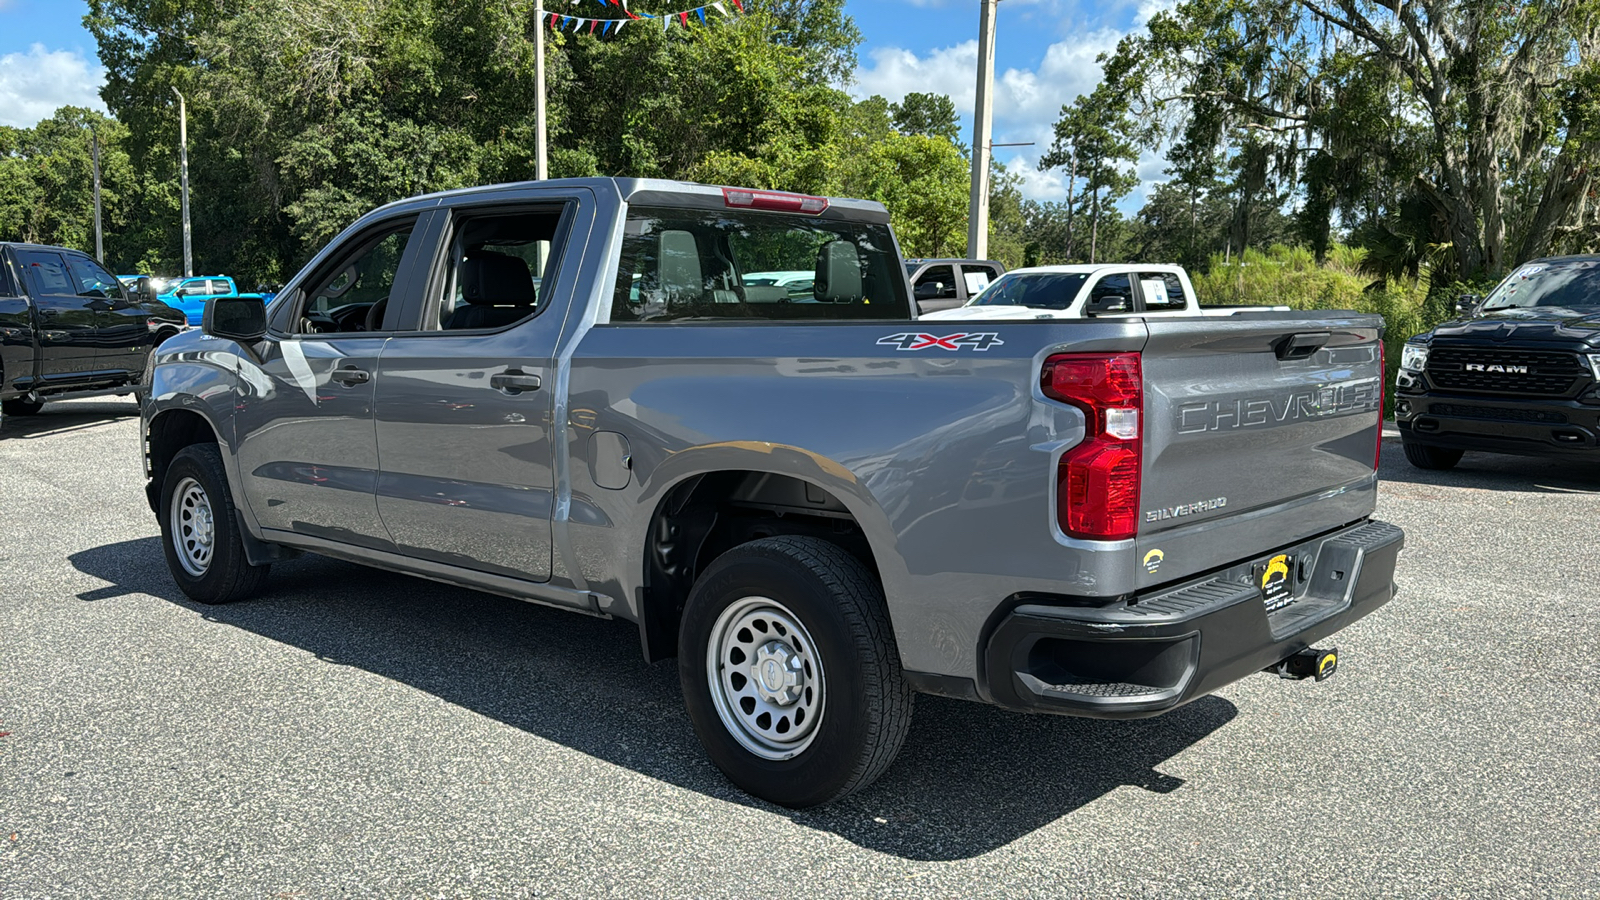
point(193, 527)
point(766, 678)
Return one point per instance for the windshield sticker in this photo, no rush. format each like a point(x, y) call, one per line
point(914, 341)
point(1530, 271)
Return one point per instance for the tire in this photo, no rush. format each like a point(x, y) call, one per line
point(836, 705)
point(20, 407)
point(195, 503)
point(1425, 457)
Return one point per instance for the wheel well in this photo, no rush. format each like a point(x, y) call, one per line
point(707, 515)
point(169, 433)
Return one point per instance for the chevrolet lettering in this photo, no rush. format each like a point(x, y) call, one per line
point(1333, 400)
point(709, 413)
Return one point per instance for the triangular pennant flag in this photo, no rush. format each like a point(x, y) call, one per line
point(620, 23)
point(684, 18)
point(720, 8)
point(739, 5)
point(610, 23)
point(592, 24)
point(553, 18)
point(701, 12)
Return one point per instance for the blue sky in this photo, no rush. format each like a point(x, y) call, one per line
point(1044, 57)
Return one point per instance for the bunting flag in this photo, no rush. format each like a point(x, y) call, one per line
point(609, 25)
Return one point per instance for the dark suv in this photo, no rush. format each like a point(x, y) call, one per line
point(67, 326)
point(1518, 373)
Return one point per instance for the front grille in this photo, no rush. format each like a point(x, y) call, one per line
point(1524, 373)
point(1498, 414)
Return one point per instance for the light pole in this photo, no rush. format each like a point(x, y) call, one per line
point(94, 156)
point(982, 128)
point(538, 97)
point(183, 174)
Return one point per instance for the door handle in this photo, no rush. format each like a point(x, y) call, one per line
point(349, 376)
point(513, 381)
point(1300, 346)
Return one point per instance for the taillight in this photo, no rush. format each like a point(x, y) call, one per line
point(775, 201)
point(1097, 484)
point(1383, 388)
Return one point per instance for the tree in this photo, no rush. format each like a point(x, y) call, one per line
point(306, 113)
point(933, 115)
point(1095, 144)
point(47, 188)
point(1481, 109)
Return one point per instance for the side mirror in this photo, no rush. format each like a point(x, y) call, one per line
point(1107, 303)
point(143, 291)
point(929, 290)
point(235, 318)
point(1466, 303)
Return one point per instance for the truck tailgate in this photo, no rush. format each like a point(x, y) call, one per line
point(1260, 430)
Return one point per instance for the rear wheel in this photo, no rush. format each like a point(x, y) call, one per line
point(200, 531)
point(790, 671)
point(1425, 457)
point(21, 407)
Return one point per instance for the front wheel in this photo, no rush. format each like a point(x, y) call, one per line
point(1425, 457)
point(790, 671)
point(200, 531)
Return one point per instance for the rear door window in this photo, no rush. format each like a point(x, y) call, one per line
point(50, 274)
point(977, 278)
point(1162, 291)
point(681, 264)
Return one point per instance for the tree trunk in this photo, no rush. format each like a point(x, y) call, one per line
point(1564, 189)
point(1094, 228)
point(1072, 187)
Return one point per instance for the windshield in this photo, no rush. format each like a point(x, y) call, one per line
point(1038, 290)
point(1560, 284)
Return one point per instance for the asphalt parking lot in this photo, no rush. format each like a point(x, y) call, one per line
point(358, 734)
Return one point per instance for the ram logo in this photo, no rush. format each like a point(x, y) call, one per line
point(1495, 367)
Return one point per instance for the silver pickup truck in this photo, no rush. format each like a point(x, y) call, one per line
point(565, 392)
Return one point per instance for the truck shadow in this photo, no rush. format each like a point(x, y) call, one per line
point(1494, 472)
point(62, 418)
point(970, 779)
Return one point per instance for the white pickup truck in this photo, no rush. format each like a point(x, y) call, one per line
point(1086, 291)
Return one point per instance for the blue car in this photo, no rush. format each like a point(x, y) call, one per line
point(189, 295)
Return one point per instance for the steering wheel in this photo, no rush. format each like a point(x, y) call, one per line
point(375, 315)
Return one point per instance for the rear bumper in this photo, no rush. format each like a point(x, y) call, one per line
point(1177, 644)
point(1543, 427)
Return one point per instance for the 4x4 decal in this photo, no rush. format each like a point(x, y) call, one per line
point(915, 341)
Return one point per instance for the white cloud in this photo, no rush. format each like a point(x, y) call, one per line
point(34, 84)
point(1027, 102)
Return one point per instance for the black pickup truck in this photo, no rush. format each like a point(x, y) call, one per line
point(69, 327)
point(1518, 373)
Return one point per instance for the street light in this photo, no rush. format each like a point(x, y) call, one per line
point(183, 170)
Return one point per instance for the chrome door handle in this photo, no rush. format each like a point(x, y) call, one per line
point(514, 382)
point(350, 376)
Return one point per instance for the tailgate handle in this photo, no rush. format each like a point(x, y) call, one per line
point(1300, 346)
